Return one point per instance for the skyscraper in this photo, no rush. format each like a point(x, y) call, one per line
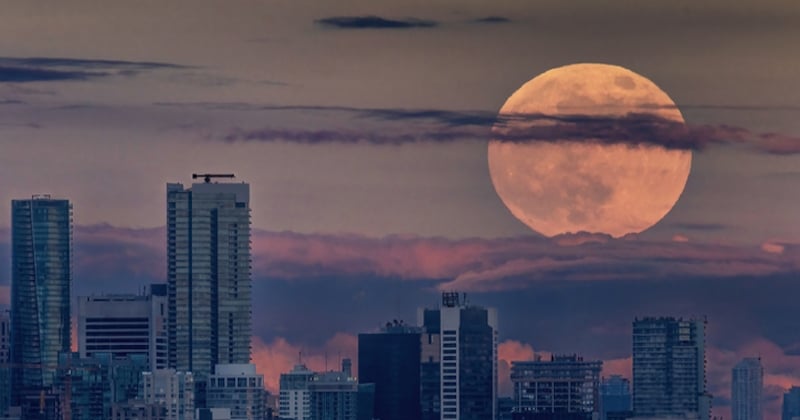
point(41, 279)
point(467, 360)
point(208, 276)
point(669, 368)
point(791, 404)
point(746, 389)
point(390, 359)
point(123, 325)
point(564, 387)
point(295, 398)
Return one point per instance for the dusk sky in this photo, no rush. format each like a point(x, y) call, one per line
point(362, 128)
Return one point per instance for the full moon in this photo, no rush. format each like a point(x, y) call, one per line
point(568, 186)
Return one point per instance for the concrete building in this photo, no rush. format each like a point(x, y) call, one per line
point(171, 389)
point(791, 404)
point(559, 386)
point(295, 398)
point(615, 397)
point(123, 325)
point(390, 359)
point(237, 388)
point(747, 386)
point(208, 276)
point(41, 280)
point(669, 368)
point(466, 360)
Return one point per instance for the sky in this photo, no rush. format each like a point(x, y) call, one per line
point(362, 128)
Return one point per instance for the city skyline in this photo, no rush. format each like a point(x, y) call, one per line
point(314, 104)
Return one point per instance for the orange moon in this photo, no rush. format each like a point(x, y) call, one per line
point(568, 186)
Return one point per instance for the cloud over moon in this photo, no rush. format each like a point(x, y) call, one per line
point(374, 22)
point(448, 126)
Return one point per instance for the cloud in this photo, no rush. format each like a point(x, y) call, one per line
point(701, 226)
point(49, 69)
point(492, 19)
point(443, 126)
point(280, 356)
point(374, 22)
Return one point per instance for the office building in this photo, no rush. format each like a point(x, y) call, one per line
point(390, 359)
point(791, 404)
point(747, 383)
point(339, 396)
point(560, 385)
point(208, 276)
point(84, 385)
point(466, 360)
point(125, 324)
point(41, 279)
point(171, 389)
point(237, 388)
point(295, 399)
point(669, 374)
point(615, 398)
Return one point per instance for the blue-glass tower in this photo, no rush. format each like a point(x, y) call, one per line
point(41, 279)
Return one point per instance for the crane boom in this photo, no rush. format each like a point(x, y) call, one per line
point(207, 177)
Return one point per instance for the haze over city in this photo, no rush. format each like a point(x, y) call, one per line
point(362, 129)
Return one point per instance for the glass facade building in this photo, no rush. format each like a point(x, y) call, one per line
point(669, 368)
point(390, 359)
point(41, 279)
point(208, 276)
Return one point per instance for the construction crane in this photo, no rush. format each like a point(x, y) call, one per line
point(207, 177)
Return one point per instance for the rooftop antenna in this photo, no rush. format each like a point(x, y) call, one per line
point(207, 177)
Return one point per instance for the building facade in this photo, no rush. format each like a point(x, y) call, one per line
point(41, 280)
point(123, 325)
point(390, 359)
point(172, 390)
point(669, 368)
point(208, 276)
point(467, 360)
point(747, 384)
point(339, 396)
point(295, 398)
point(564, 384)
point(791, 404)
point(237, 388)
point(5, 360)
point(615, 397)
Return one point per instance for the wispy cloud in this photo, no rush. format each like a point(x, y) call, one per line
point(50, 69)
point(492, 20)
point(374, 22)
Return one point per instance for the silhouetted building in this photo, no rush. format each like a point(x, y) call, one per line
point(208, 277)
point(615, 398)
point(390, 359)
point(295, 398)
point(544, 389)
point(125, 325)
point(791, 404)
point(5, 360)
point(239, 389)
point(747, 385)
point(669, 375)
point(41, 279)
point(467, 360)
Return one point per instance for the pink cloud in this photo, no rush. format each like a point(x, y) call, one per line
point(280, 356)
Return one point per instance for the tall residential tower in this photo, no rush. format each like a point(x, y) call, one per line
point(208, 276)
point(746, 388)
point(41, 279)
point(669, 368)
